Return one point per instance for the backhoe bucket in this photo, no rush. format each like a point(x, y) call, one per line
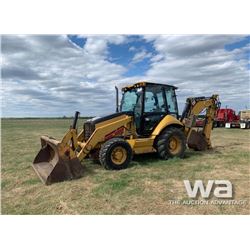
point(197, 141)
point(51, 167)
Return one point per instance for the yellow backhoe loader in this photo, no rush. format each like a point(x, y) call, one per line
point(146, 121)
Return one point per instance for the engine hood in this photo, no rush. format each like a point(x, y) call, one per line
point(96, 120)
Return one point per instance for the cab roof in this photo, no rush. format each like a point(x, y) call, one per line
point(142, 84)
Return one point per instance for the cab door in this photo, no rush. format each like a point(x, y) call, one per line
point(154, 109)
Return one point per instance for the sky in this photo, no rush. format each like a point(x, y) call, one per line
point(55, 75)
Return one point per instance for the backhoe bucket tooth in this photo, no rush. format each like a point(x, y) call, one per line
point(51, 167)
point(197, 141)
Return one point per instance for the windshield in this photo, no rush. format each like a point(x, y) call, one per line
point(130, 99)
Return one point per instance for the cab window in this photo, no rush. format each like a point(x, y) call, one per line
point(154, 100)
point(171, 101)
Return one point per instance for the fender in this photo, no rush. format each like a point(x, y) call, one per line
point(166, 121)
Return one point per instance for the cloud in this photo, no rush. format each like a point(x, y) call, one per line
point(200, 65)
point(140, 56)
point(19, 72)
point(42, 70)
point(132, 48)
point(52, 76)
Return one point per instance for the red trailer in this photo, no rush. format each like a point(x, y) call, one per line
point(226, 116)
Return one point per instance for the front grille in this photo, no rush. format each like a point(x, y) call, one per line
point(88, 130)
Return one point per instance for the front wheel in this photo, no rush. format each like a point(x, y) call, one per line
point(171, 143)
point(115, 154)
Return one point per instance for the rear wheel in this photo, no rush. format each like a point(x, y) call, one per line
point(115, 154)
point(171, 143)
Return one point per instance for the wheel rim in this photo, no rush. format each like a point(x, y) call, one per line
point(174, 145)
point(119, 155)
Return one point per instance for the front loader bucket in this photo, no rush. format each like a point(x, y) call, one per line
point(51, 167)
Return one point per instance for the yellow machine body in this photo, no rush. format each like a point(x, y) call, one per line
point(61, 160)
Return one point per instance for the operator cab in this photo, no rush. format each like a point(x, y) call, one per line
point(149, 102)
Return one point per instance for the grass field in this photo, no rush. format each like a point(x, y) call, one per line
point(144, 188)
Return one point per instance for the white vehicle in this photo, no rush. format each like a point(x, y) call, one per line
point(245, 119)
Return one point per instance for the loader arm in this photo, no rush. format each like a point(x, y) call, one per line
point(61, 160)
point(73, 145)
point(194, 106)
